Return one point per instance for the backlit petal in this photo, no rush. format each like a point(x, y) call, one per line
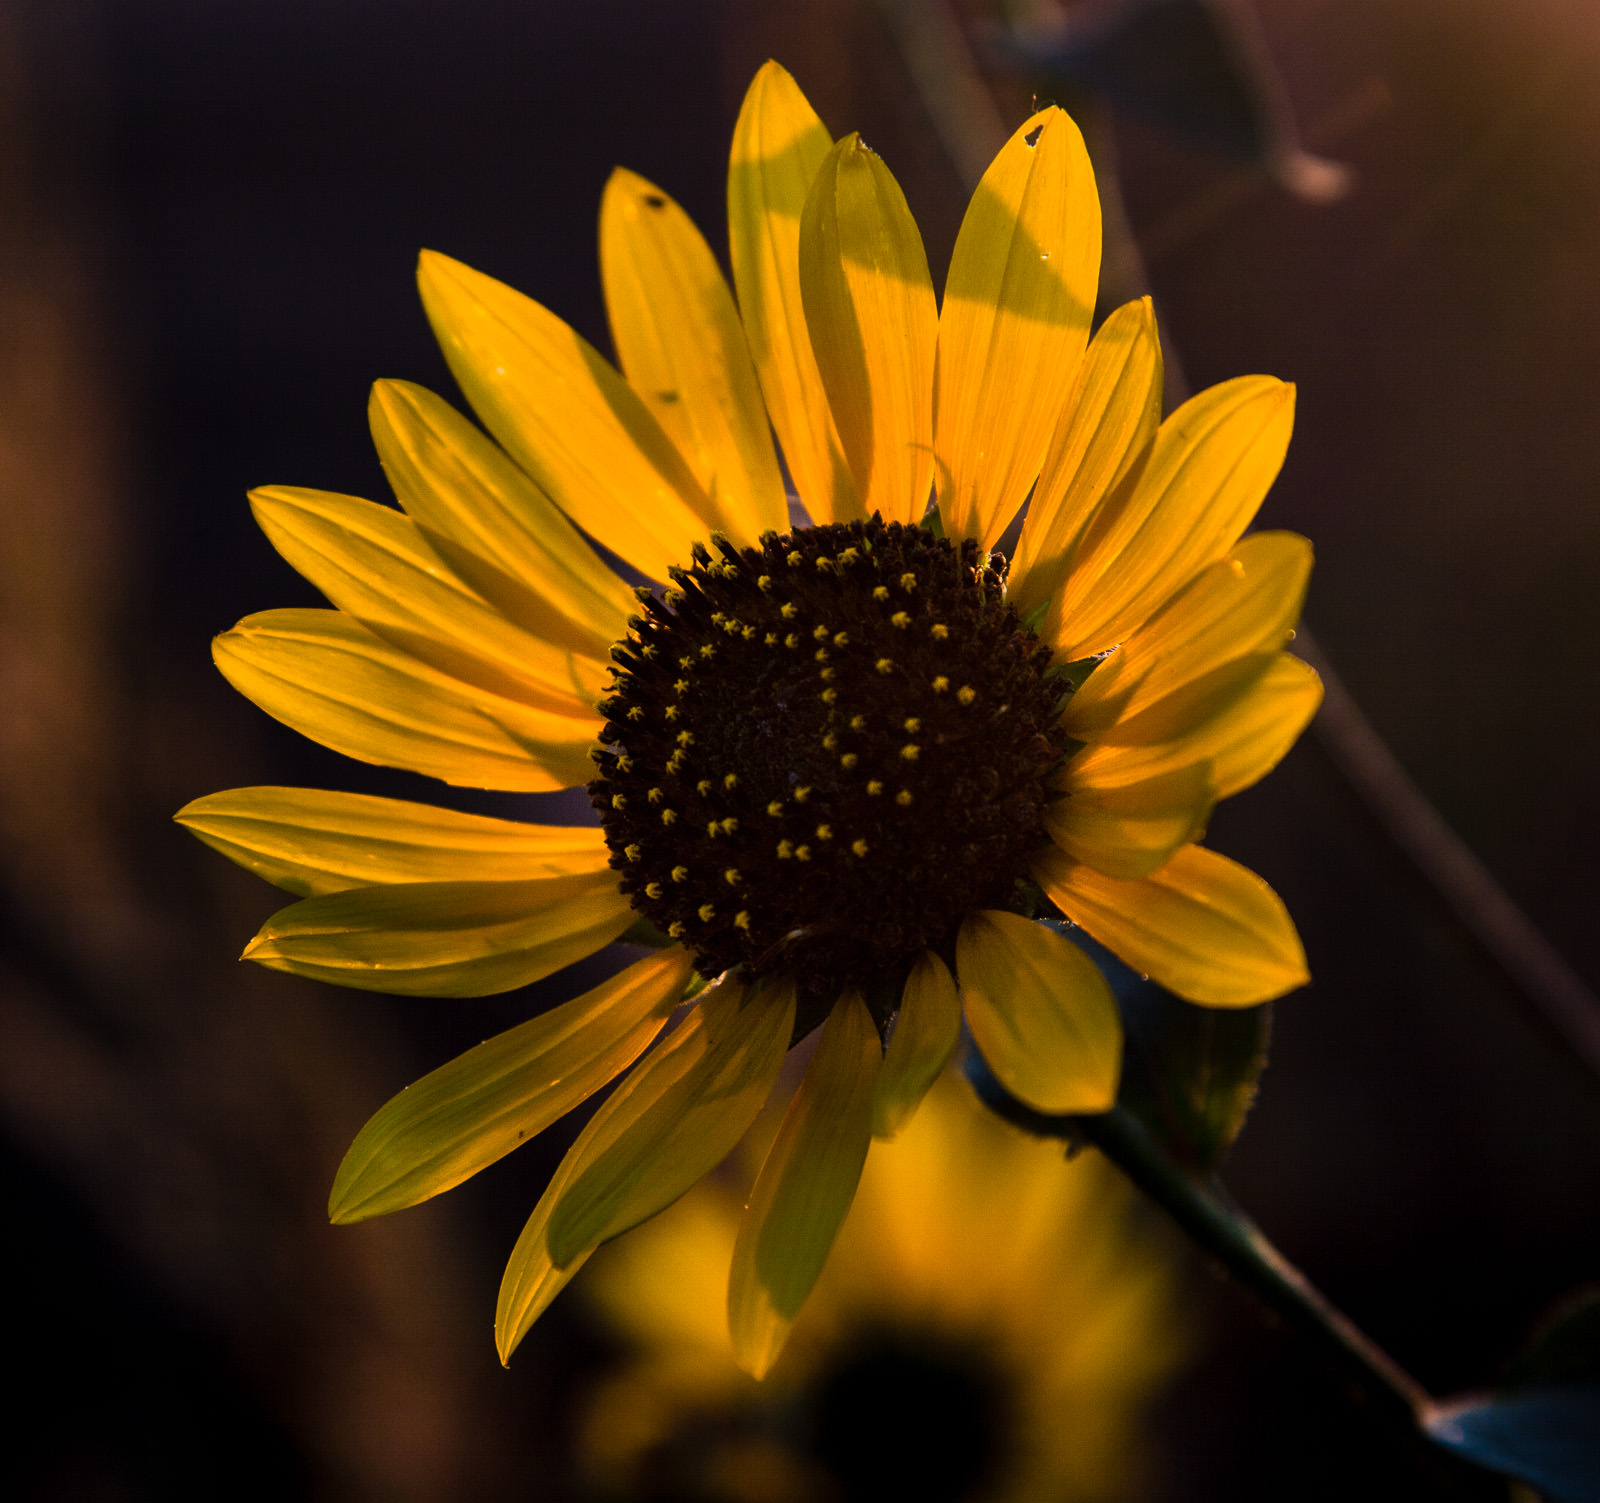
point(1017, 304)
point(683, 1111)
point(476, 1109)
point(680, 344)
point(1040, 1013)
point(1204, 651)
point(1203, 926)
point(1125, 821)
point(566, 416)
point(310, 841)
point(804, 1187)
point(874, 326)
point(499, 531)
point(778, 145)
point(925, 1035)
point(445, 939)
point(373, 563)
point(331, 679)
point(1210, 467)
point(1107, 422)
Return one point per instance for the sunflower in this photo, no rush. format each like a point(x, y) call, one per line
point(840, 769)
point(991, 1323)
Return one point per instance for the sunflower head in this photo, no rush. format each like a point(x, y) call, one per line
point(841, 770)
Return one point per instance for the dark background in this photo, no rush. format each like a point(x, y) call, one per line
point(209, 215)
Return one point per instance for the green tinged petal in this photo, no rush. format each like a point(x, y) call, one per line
point(476, 1109)
point(309, 841)
point(925, 1035)
point(804, 1188)
point(445, 939)
point(1040, 1013)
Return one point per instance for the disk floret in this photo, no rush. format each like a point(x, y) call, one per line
point(822, 752)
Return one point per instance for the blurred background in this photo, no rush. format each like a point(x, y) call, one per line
point(209, 216)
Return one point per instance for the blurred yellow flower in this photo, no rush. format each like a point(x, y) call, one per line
point(992, 1324)
point(836, 765)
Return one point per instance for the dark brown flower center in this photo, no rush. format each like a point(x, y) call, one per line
point(823, 751)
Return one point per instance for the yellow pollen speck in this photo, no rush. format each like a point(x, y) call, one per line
point(788, 610)
point(685, 738)
point(672, 712)
point(860, 847)
point(686, 661)
point(741, 920)
point(673, 597)
point(713, 829)
point(820, 633)
point(729, 825)
point(731, 876)
point(841, 639)
point(675, 931)
point(940, 684)
point(652, 889)
point(749, 634)
point(880, 592)
point(850, 555)
point(903, 797)
point(858, 722)
point(874, 788)
point(828, 673)
point(676, 760)
point(910, 751)
point(636, 712)
point(791, 640)
point(849, 759)
point(625, 763)
point(884, 665)
point(785, 849)
point(966, 694)
point(829, 695)
point(829, 741)
point(913, 725)
point(824, 565)
point(731, 780)
point(680, 874)
point(900, 619)
point(707, 911)
point(681, 686)
point(708, 650)
point(908, 582)
point(824, 832)
point(654, 795)
point(940, 631)
point(703, 787)
point(764, 583)
point(820, 655)
point(718, 617)
point(618, 801)
point(632, 852)
point(669, 816)
point(793, 559)
point(771, 639)
point(802, 853)
point(648, 651)
point(801, 794)
point(775, 808)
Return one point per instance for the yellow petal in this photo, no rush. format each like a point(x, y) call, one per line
point(444, 939)
point(331, 679)
point(310, 841)
point(499, 531)
point(1203, 926)
point(1017, 304)
point(1040, 1013)
point(1107, 422)
point(373, 563)
point(680, 344)
point(778, 145)
point(1210, 467)
point(1125, 821)
point(1204, 651)
point(925, 1035)
point(804, 1187)
point(566, 416)
point(476, 1109)
point(874, 327)
point(686, 1107)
